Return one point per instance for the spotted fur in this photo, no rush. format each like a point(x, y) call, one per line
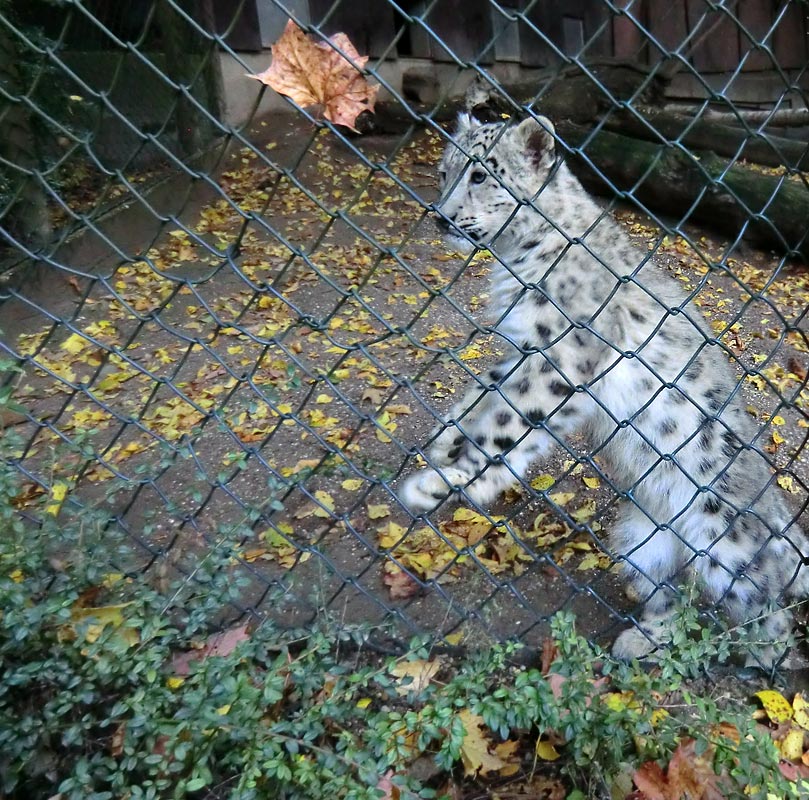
point(600, 340)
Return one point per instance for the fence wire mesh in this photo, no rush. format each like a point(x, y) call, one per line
point(237, 326)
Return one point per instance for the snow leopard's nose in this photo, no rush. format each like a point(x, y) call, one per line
point(444, 221)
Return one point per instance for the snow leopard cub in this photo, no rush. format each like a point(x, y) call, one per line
point(600, 340)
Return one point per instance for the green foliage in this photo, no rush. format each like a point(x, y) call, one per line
point(95, 702)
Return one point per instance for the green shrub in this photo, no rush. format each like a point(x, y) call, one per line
point(109, 688)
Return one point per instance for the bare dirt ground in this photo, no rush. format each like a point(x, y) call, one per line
point(261, 366)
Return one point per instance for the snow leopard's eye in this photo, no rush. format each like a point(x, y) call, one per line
point(477, 176)
point(442, 175)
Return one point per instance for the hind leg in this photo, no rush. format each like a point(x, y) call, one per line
point(653, 560)
point(750, 587)
point(767, 626)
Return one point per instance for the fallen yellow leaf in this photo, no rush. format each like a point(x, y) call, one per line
point(96, 620)
point(475, 753)
point(74, 344)
point(58, 494)
point(326, 504)
point(560, 498)
point(421, 673)
point(546, 751)
point(378, 511)
point(776, 706)
point(791, 746)
point(799, 712)
point(786, 483)
point(543, 482)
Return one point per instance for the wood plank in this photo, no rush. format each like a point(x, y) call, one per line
point(507, 43)
point(545, 27)
point(565, 25)
point(790, 36)
point(719, 50)
point(756, 18)
point(597, 27)
point(239, 18)
point(465, 41)
point(273, 19)
point(629, 41)
point(668, 26)
point(369, 24)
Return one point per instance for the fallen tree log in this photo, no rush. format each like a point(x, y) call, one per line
point(580, 93)
point(633, 153)
point(766, 210)
point(700, 134)
point(596, 94)
point(785, 117)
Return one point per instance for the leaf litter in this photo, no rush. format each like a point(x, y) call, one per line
point(320, 355)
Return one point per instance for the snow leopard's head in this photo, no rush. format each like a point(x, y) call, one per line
point(488, 173)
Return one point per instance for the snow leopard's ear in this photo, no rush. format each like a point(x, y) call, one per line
point(466, 122)
point(536, 136)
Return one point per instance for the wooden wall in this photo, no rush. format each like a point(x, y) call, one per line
point(766, 35)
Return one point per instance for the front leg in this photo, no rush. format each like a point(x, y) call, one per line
point(467, 415)
point(468, 456)
point(495, 433)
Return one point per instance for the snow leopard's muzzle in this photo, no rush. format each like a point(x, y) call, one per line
point(455, 233)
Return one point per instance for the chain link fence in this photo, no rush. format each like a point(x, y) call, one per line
point(237, 325)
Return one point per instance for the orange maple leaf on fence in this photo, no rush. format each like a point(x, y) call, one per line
point(314, 73)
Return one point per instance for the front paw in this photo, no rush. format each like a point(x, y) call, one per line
point(641, 643)
point(428, 489)
point(447, 446)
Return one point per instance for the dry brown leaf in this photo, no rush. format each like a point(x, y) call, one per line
point(508, 752)
point(689, 776)
point(793, 772)
point(387, 787)
point(372, 396)
point(651, 780)
point(399, 583)
point(314, 73)
point(542, 787)
point(117, 740)
point(550, 652)
point(220, 644)
point(451, 790)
